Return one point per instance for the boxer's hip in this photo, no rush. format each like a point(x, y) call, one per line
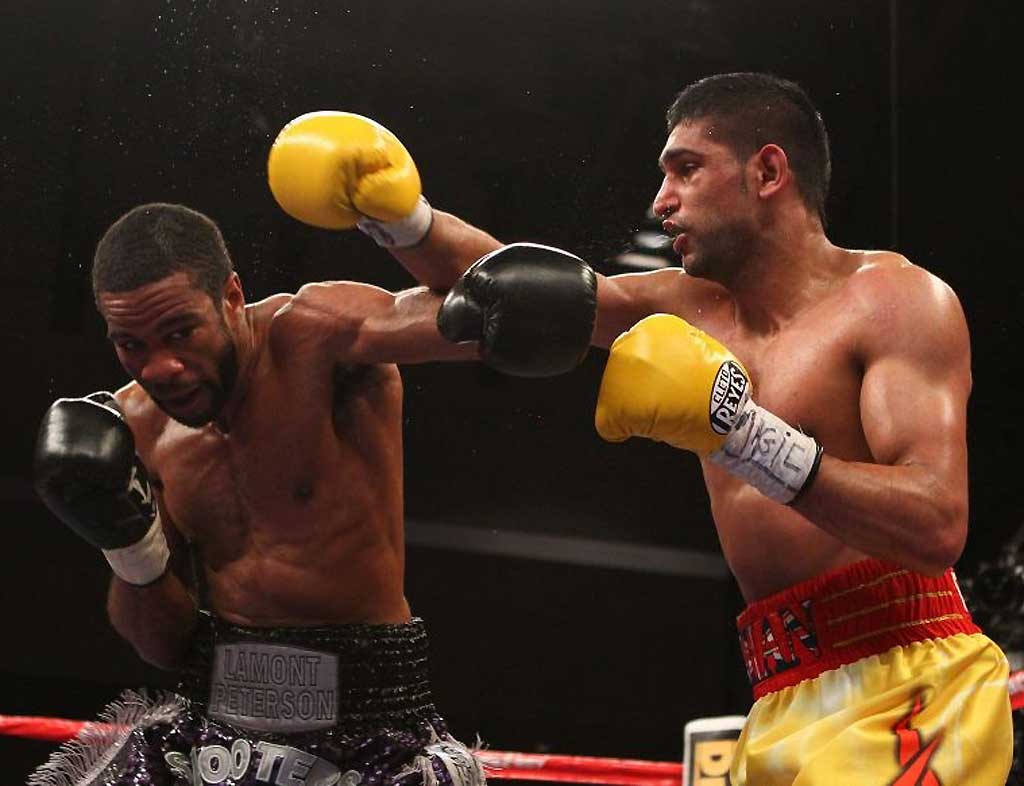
point(841, 616)
point(288, 680)
point(348, 705)
point(872, 670)
point(932, 712)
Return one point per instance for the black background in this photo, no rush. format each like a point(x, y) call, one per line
point(540, 121)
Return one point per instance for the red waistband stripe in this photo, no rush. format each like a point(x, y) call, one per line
point(842, 616)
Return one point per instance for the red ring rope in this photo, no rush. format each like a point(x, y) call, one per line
point(498, 764)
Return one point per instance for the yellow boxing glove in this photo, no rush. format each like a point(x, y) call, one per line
point(668, 381)
point(338, 170)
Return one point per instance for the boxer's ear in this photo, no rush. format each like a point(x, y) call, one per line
point(233, 295)
point(771, 170)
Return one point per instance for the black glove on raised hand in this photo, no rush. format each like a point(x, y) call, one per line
point(89, 476)
point(531, 307)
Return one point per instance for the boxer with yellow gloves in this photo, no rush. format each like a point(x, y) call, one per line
point(668, 381)
point(865, 664)
point(338, 170)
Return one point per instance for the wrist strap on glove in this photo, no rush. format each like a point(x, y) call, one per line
point(402, 233)
point(769, 454)
point(142, 562)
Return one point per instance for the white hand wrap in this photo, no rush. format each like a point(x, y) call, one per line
point(404, 232)
point(773, 457)
point(142, 562)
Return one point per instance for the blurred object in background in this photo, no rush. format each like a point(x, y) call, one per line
point(995, 596)
point(649, 248)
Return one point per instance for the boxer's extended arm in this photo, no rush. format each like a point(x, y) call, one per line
point(339, 170)
point(525, 309)
point(622, 300)
point(447, 251)
point(360, 323)
point(625, 299)
point(910, 506)
point(452, 246)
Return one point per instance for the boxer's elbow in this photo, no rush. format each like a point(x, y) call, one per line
point(944, 541)
point(160, 654)
point(158, 635)
point(163, 652)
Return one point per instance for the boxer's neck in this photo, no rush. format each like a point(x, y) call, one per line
point(244, 336)
point(783, 279)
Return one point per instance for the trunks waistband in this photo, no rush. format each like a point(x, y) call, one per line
point(842, 616)
point(299, 679)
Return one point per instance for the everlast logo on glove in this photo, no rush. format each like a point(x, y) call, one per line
point(140, 491)
point(727, 395)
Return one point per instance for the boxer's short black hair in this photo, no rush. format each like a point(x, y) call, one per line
point(750, 110)
point(156, 240)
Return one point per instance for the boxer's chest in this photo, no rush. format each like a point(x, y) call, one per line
point(809, 375)
point(281, 464)
point(217, 486)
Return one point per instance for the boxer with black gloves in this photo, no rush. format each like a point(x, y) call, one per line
point(88, 474)
point(272, 435)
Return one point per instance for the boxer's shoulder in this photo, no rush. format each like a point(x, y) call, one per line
point(146, 420)
point(882, 275)
point(319, 313)
point(139, 409)
point(894, 302)
point(891, 291)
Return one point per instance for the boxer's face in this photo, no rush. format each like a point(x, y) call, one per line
point(175, 342)
point(704, 202)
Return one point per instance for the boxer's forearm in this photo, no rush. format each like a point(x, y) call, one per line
point(446, 252)
point(157, 619)
point(905, 513)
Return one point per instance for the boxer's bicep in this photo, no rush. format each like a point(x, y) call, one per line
point(356, 323)
point(448, 249)
point(916, 383)
point(911, 416)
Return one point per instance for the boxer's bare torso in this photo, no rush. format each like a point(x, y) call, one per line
point(292, 495)
point(863, 350)
point(839, 356)
point(296, 512)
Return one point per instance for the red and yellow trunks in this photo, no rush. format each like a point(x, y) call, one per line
point(872, 674)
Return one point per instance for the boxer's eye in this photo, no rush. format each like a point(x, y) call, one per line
point(181, 334)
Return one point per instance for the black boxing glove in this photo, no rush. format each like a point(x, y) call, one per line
point(87, 473)
point(531, 307)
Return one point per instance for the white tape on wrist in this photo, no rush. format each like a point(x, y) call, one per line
point(404, 232)
point(142, 562)
point(772, 456)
